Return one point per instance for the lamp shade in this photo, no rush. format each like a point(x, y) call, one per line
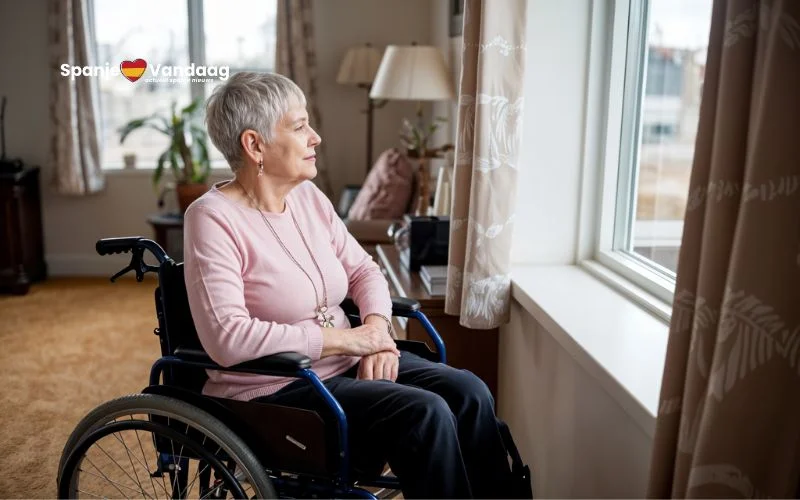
point(359, 66)
point(414, 72)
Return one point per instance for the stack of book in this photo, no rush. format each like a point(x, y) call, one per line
point(434, 278)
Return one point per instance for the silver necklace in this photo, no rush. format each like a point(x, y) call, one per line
point(323, 317)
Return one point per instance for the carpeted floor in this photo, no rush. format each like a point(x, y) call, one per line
point(66, 347)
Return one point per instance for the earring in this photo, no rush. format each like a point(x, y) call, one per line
point(260, 168)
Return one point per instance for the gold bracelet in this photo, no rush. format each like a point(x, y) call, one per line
point(387, 320)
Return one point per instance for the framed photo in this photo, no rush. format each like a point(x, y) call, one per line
point(456, 17)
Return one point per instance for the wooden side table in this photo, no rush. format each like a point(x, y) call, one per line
point(21, 236)
point(168, 229)
point(474, 350)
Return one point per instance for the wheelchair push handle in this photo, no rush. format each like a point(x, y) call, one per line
point(116, 245)
point(136, 245)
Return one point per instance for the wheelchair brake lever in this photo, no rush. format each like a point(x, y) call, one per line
point(137, 265)
point(125, 270)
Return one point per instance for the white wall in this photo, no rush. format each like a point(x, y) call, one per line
point(554, 112)
point(579, 442)
point(73, 224)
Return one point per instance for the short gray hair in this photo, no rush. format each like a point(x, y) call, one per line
point(248, 100)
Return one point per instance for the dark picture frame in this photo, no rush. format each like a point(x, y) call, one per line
point(456, 17)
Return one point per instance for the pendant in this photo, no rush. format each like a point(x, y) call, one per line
point(325, 320)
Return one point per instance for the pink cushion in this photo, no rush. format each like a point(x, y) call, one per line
point(386, 192)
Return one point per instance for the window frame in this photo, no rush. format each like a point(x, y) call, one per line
point(623, 74)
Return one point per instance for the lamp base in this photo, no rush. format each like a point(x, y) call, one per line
point(423, 201)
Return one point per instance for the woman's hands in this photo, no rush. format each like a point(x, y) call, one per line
point(381, 365)
point(371, 341)
point(363, 340)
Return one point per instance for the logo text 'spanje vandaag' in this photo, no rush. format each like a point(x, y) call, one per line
point(138, 68)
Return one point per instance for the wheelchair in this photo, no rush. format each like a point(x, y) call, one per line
point(172, 441)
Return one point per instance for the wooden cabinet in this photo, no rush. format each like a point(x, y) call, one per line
point(21, 239)
point(474, 350)
point(168, 229)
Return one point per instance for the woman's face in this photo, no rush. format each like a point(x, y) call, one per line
point(291, 154)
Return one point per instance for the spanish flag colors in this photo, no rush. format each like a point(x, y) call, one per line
point(133, 70)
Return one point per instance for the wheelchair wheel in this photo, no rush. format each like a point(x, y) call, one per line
point(151, 446)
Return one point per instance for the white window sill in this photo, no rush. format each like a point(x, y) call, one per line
point(148, 172)
point(616, 341)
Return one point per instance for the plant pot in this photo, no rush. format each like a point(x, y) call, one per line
point(188, 192)
point(130, 161)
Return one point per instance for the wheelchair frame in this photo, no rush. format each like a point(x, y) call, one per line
point(294, 365)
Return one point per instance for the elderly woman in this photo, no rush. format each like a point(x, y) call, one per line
point(267, 263)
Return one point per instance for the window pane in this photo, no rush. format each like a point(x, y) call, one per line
point(675, 53)
point(160, 37)
point(250, 47)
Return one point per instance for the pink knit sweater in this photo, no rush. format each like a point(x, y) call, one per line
point(248, 299)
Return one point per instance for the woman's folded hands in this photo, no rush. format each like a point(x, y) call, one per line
point(363, 340)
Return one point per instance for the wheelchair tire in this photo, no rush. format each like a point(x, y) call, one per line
point(110, 413)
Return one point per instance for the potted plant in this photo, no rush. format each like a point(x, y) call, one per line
point(415, 138)
point(186, 155)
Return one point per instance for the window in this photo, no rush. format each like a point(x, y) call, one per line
point(173, 33)
point(657, 68)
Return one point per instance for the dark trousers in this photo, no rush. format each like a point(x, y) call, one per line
point(435, 426)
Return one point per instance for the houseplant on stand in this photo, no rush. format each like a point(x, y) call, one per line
point(186, 155)
point(415, 138)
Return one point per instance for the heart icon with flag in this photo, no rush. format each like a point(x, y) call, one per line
point(133, 70)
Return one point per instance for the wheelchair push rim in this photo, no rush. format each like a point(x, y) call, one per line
point(149, 446)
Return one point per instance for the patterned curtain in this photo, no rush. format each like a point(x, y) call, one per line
point(729, 417)
point(74, 135)
point(296, 58)
point(485, 174)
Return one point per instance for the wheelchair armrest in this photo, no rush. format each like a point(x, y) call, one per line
point(281, 364)
point(401, 306)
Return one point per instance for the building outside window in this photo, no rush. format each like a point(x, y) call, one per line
point(664, 70)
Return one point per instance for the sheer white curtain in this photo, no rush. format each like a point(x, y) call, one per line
point(74, 134)
point(485, 175)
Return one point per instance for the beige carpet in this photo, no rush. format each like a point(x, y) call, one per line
point(66, 347)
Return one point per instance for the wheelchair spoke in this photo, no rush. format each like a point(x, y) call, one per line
point(116, 483)
point(130, 460)
point(177, 466)
point(199, 472)
point(146, 467)
point(174, 474)
point(90, 494)
point(196, 475)
point(104, 476)
point(115, 462)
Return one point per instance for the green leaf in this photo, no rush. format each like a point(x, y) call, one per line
point(173, 163)
point(202, 173)
point(140, 123)
point(160, 168)
point(417, 136)
point(188, 110)
point(164, 123)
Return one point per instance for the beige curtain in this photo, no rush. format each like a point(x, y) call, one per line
point(487, 149)
point(74, 135)
point(296, 58)
point(729, 417)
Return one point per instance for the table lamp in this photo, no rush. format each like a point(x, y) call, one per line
point(358, 68)
point(414, 73)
